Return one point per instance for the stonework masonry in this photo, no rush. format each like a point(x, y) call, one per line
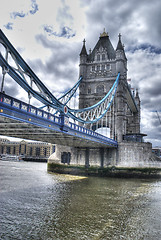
point(99, 69)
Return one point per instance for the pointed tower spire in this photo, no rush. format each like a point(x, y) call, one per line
point(83, 51)
point(119, 45)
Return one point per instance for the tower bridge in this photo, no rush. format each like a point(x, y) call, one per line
point(105, 100)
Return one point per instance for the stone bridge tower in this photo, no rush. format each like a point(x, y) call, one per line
point(99, 69)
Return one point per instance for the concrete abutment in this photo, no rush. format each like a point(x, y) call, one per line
point(103, 161)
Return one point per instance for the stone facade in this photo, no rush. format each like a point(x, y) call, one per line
point(136, 154)
point(99, 69)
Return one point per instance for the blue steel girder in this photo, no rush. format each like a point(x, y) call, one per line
point(97, 111)
point(21, 81)
point(19, 112)
point(66, 97)
point(94, 113)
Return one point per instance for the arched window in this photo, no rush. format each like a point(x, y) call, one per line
point(100, 89)
point(103, 56)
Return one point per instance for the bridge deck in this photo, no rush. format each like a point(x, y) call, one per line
point(18, 119)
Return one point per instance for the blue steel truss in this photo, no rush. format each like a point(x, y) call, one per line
point(69, 94)
point(96, 112)
point(15, 109)
point(45, 96)
point(66, 97)
point(87, 115)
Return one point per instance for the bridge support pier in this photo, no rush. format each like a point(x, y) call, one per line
point(82, 160)
point(129, 158)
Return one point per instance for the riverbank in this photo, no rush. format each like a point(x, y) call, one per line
point(111, 171)
point(44, 160)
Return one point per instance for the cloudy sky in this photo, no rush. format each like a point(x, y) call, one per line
point(49, 34)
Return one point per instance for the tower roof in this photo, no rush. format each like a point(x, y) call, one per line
point(83, 51)
point(119, 45)
point(104, 42)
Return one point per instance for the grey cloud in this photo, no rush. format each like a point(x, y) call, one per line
point(65, 31)
point(144, 46)
point(11, 87)
point(132, 18)
point(34, 6)
point(9, 26)
point(22, 14)
point(63, 14)
point(60, 68)
point(14, 15)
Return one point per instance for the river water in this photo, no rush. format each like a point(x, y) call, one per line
point(35, 205)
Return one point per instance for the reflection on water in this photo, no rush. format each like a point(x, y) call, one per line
point(38, 205)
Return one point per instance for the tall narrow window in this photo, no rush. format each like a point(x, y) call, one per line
point(103, 56)
point(103, 67)
point(98, 57)
point(30, 151)
point(14, 150)
point(98, 67)
point(108, 67)
point(37, 151)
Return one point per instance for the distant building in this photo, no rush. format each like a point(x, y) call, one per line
point(157, 151)
point(39, 151)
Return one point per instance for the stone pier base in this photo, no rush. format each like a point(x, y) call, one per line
point(87, 157)
point(137, 155)
point(129, 157)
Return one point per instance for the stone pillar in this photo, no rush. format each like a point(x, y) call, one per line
point(87, 158)
point(102, 152)
point(119, 121)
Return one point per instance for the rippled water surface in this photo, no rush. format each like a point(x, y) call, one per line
point(38, 205)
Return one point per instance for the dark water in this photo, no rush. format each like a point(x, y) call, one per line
point(37, 205)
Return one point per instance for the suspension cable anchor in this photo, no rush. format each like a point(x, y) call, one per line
point(5, 70)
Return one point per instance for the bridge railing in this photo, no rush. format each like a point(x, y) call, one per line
point(20, 106)
point(90, 132)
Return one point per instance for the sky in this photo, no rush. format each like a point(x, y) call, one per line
point(49, 34)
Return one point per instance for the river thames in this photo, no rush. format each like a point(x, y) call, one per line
point(38, 205)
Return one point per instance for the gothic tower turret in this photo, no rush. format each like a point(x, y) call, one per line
point(137, 116)
point(121, 66)
point(83, 60)
point(121, 60)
